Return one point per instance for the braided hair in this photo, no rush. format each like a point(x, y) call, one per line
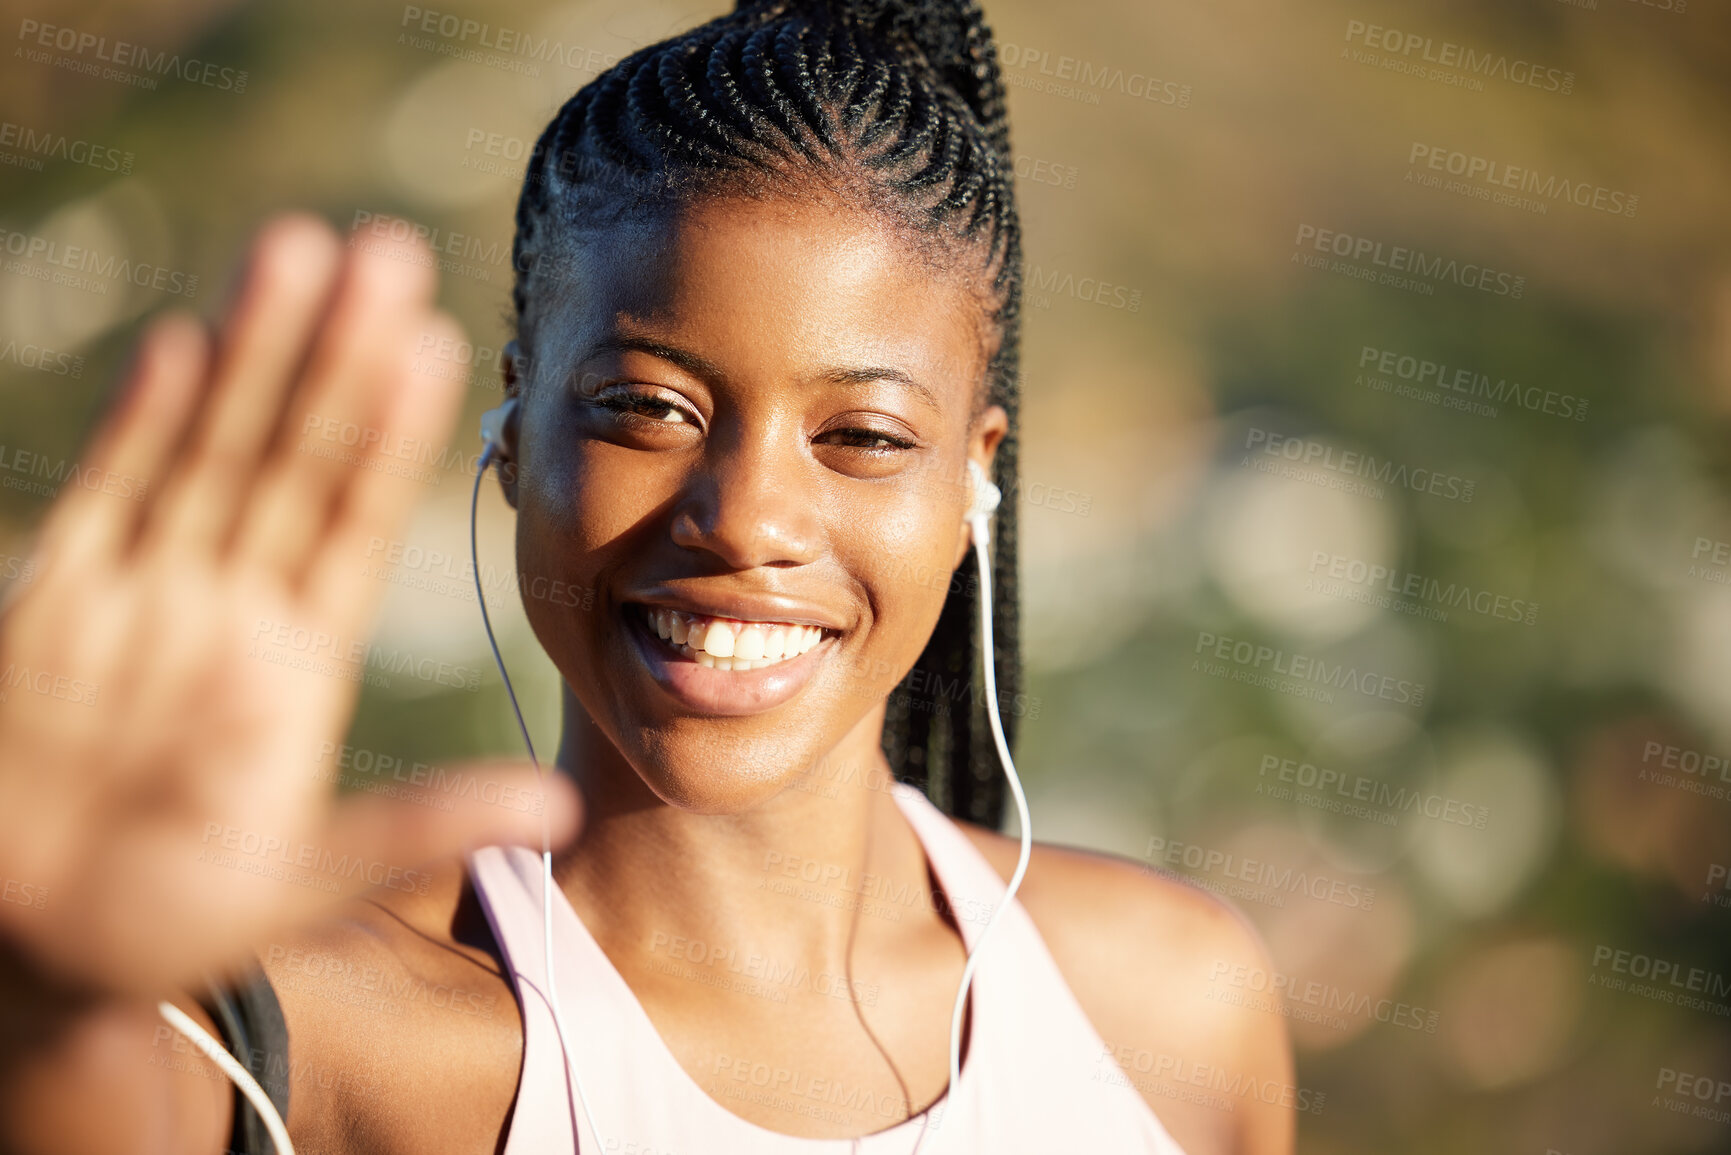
point(897, 105)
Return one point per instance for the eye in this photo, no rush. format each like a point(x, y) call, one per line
point(874, 440)
point(639, 408)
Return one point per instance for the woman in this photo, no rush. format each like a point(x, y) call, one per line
point(766, 302)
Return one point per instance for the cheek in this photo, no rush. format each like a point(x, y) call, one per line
point(906, 556)
point(574, 525)
point(576, 509)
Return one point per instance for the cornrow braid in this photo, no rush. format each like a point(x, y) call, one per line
point(899, 104)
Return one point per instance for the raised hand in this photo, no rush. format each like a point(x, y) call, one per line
point(188, 651)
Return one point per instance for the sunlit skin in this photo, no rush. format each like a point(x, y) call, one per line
point(759, 408)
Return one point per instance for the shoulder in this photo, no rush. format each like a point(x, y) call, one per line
point(403, 1030)
point(1143, 954)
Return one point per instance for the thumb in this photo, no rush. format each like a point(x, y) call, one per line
point(493, 802)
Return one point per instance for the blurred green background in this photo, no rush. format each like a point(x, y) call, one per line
point(1230, 436)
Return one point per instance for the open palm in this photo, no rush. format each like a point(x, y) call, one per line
point(186, 654)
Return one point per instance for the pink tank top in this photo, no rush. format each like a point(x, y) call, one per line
point(1036, 1077)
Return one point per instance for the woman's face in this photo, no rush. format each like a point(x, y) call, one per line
point(745, 430)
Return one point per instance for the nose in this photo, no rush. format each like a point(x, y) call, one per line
point(752, 504)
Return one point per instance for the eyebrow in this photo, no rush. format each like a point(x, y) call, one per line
point(701, 367)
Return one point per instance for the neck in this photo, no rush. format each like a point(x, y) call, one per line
point(785, 882)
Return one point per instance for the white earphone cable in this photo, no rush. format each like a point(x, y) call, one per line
point(981, 535)
point(546, 836)
point(239, 1075)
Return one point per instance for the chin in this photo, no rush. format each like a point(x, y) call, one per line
point(706, 768)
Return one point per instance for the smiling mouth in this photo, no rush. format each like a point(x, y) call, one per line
point(728, 643)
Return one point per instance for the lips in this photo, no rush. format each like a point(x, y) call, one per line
point(724, 665)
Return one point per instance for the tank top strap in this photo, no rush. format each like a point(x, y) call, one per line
point(543, 1117)
point(971, 888)
point(1047, 1050)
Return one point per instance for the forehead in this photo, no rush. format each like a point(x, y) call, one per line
point(772, 285)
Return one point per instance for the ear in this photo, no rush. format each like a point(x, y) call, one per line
point(514, 367)
point(984, 438)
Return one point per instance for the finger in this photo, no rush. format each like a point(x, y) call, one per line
point(133, 447)
point(496, 803)
point(345, 412)
point(380, 493)
point(263, 343)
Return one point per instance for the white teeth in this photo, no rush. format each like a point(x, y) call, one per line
point(719, 640)
point(728, 644)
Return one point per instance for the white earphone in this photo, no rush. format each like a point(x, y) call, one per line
point(984, 498)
